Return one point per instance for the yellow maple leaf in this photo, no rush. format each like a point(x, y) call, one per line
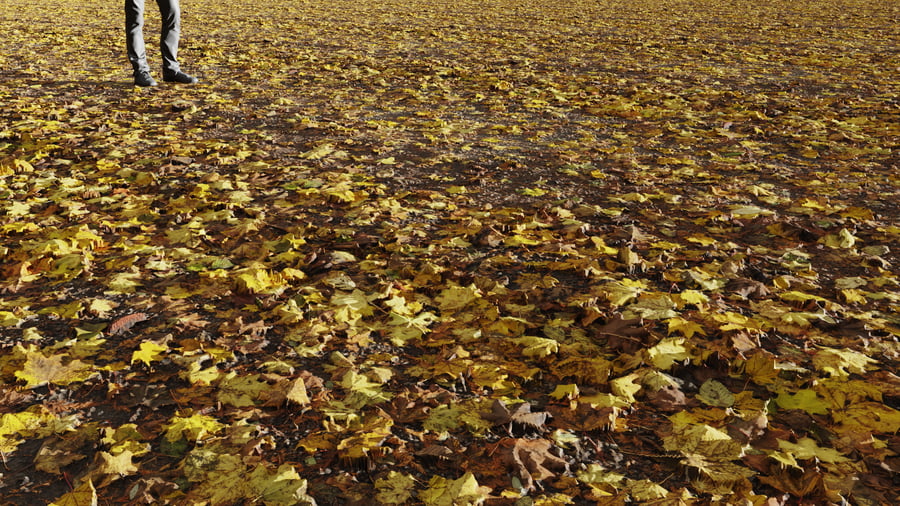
point(149, 352)
point(652, 306)
point(111, 467)
point(279, 487)
point(645, 490)
point(842, 362)
point(867, 417)
point(462, 492)
point(193, 427)
point(694, 297)
point(625, 387)
point(565, 391)
point(196, 374)
point(240, 391)
point(685, 327)
point(351, 306)
point(220, 476)
point(14, 427)
point(736, 321)
point(516, 240)
point(258, 281)
point(668, 351)
point(761, 368)
point(807, 448)
point(84, 495)
point(534, 192)
point(395, 488)
point(784, 458)
point(362, 390)
point(40, 370)
point(702, 240)
point(703, 440)
point(125, 437)
point(537, 346)
point(9, 319)
point(101, 307)
point(124, 282)
point(456, 297)
point(618, 293)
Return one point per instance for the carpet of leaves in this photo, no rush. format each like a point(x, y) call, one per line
point(452, 252)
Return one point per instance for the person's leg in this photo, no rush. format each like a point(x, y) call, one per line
point(170, 12)
point(134, 35)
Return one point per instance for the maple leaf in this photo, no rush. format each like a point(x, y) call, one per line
point(715, 394)
point(868, 416)
point(667, 352)
point(456, 298)
point(56, 453)
point(569, 392)
point(149, 352)
point(192, 426)
point(40, 370)
point(282, 486)
point(807, 448)
point(112, 467)
point(240, 391)
point(219, 475)
point(531, 460)
point(394, 488)
point(443, 419)
point(464, 491)
point(537, 346)
point(363, 390)
point(125, 437)
point(84, 495)
point(761, 368)
point(717, 472)
point(352, 306)
point(703, 440)
point(520, 414)
point(842, 362)
point(806, 400)
point(645, 490)
point(685, 327)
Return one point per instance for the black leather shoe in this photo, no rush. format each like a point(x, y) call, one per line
point(143, 78)
point(179, 77)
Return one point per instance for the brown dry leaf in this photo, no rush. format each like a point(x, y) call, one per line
point(531, 460)
point(623, 335)
point(585, 418)
point(520, 414)
point(126, 322)
point(669, 398)
point(809, 483)
point(747, 288)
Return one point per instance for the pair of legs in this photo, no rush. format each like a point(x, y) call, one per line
point(170, 12)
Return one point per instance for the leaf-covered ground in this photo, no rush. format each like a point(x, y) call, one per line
point(452, 252)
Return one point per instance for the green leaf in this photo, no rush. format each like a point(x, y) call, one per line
point(715, 394)
point(807, 400)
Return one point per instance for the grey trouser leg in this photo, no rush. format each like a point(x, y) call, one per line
point(170, 12)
